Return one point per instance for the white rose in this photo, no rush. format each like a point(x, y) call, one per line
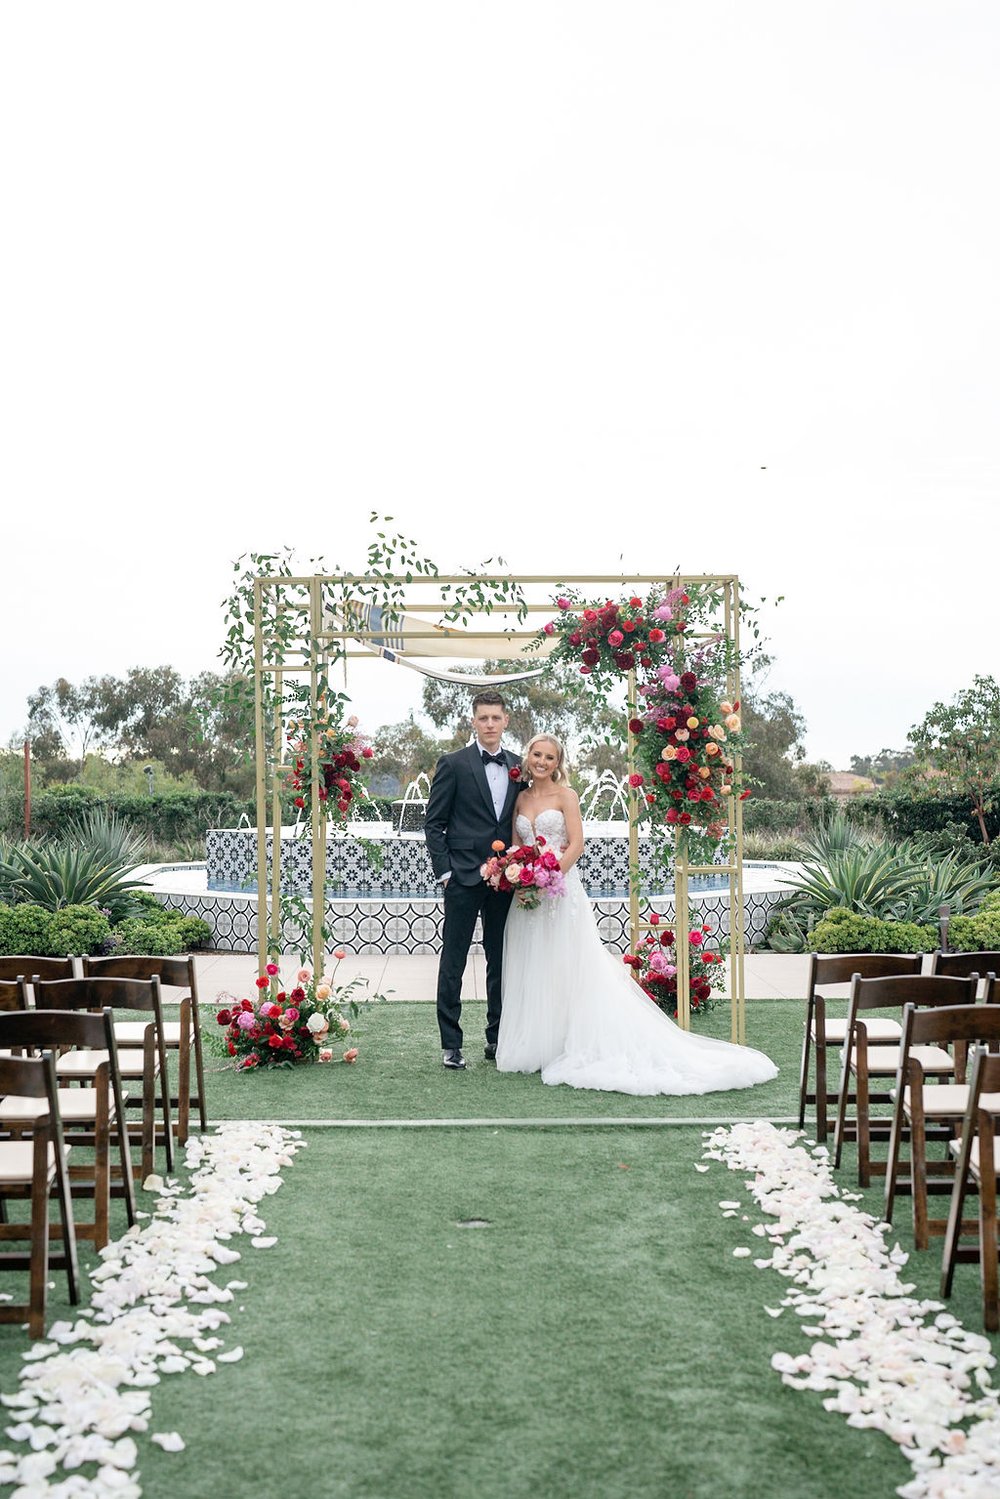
point(317, 1023)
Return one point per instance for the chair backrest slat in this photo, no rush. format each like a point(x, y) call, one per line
point(50, 1028)
point(95, 993)
point(961, 964)
point(25, 965)
point(12, 996)
point(921, 989)
point(840, 968)
point(952, 1023)
point(177, 972)
point(23, 1077)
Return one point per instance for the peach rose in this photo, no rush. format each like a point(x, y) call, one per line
point(325, 1054)
point(351, 1055)
point(692, 723)
point(733, 722)
point(322, 991)
point(725, 707)
point(339, 953)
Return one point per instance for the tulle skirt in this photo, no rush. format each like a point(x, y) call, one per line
point(572, 1011)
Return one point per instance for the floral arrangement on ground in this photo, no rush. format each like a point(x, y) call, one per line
point(654, 965)
point(281, 1028)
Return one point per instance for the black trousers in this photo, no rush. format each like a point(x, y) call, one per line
point(462, 904)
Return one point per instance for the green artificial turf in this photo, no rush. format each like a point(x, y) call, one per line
point(399, 1075)
point(596, 1338)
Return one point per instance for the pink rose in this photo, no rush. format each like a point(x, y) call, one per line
point(303, 976)
point(351, 1055)
point(615, 638)
point(696, 939)
point(562, 603)
point(549, 629)
point(526, 877)
point(325, 1054)
point(272, 969)
point(339, 953)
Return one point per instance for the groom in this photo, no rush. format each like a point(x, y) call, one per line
point(469, 809)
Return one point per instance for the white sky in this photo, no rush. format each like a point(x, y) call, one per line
point(597, 286)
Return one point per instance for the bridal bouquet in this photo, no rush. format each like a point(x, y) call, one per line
point(281, 1027)
point(530, 870)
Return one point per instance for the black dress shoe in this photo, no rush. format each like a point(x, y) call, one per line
point(490, 1052)
point(454, 1060)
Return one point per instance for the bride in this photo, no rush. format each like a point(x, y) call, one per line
point(570, 1007)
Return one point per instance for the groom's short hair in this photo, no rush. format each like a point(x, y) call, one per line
point(488, 698)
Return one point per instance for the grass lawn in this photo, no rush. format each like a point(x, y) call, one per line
point(587, 1333)
point(399, 1076)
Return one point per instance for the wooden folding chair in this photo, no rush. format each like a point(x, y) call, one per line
point(31, 1168)
point(938, 1109)
point(88, 1114)
point(830, 976)
point(182, 1035)
point(871, 1067)
point(148, 1065)
point(977, 1165)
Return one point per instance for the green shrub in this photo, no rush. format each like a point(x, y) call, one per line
point(161, 934)
point(979, 933)
point(76, 929)
point(79, 930)
point(25, 929)
point(841, 930)
point(53, 875)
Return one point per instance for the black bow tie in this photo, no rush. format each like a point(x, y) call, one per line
point(489, 759)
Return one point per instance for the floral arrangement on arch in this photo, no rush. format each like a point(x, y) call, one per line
point(687, 732)
point(654, 965)
point(341, 751)
point(280, 1028)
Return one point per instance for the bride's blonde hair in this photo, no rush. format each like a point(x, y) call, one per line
point(560, 772)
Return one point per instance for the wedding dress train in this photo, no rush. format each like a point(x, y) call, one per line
point(572, 1010)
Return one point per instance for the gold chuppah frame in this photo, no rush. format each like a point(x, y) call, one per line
point(300, 640)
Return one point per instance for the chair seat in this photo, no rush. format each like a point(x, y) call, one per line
point(835, 1031)
point(17, 1162)
point(948, 1101)
point(956, 1145)
point(83, 1063)
point(884, 1060)
point(132, 1032)
point(76, 1105)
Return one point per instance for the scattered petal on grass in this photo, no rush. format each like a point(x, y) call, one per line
point(741, 1254)
point(154, 1309)
point(884, 1360)
point(264, 1241)
point(699, 1167)
point(232, 1357)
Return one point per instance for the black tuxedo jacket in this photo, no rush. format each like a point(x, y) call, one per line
point(460, 824)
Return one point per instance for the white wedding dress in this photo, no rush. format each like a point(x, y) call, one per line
point(572, 1010)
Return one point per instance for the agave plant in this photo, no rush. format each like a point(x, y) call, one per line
point(53, 875)
point(834, 836)
point(105, 832)
point(871, 881)
point(960, 881)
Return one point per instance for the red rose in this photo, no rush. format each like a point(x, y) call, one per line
point(275, 1042)
point(654, 918)
point(590, 656)
point(298, 802)
point(694, 795)
point(368, 752)
point(744, 795)
point(650, 798)
point(689, 681)
point(629, 625)
point(625, 660)
point(223, 1017)
point(635, 780)
point(684, 818)
point(636, 603)
point(655, 636)
point(707, 794)
point(232, 1048)
point(683, 754)
point(515, 773)
point(590, 615)
point(671, 814)
point(576, 638)
point(635, 725)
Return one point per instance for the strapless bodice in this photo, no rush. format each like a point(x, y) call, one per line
point(549, 824)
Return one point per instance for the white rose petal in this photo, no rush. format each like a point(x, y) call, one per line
point(170, 1441)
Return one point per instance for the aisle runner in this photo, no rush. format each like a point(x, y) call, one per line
point(905, 1367)
point(154, 1310)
